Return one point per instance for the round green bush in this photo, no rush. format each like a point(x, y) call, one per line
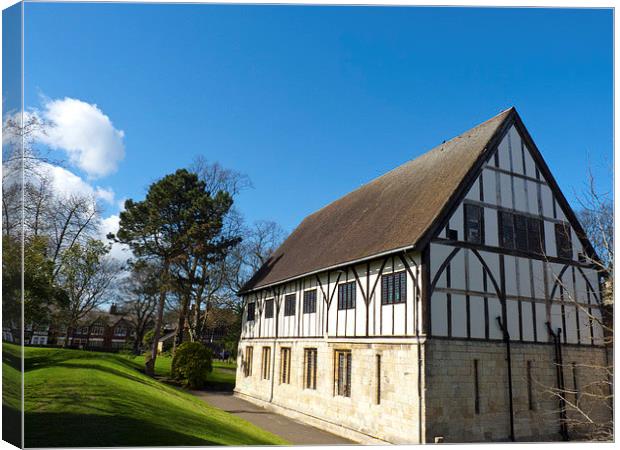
point(191, 364)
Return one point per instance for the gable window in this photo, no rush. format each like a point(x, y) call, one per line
point(310, 368)
point(346, 295)
point(535, 236)
point(289, 305)
point(474, 223)
point(97, 330)
point(249, 354)
point(120, 331)
point(285, 365)
point(343, 373)
point(520, 232)
point(266, 362)
point(563, 242)
point(84, 330)
point(310, 301)
point(251, 311)
point(394, 288)
point(269, 308)
point(506, 230)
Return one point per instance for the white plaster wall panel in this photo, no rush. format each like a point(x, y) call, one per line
point(438, 255)
point(488, 182)
point(459, 316)
point(510, 271)
point(560, 214)
point(570, 316)
point(517, 156)
point(490, 227)
point(592, 277)
point(439, 314)
point(550, 249)
point(399, 319)
point(530, 165)
point(532, 197)
point(492, 262)
point(556, 318)
point(596, 326)
point(476, 311)
point(547, 201)
point(527, 317)
point(342, 321)
point(456, 222)
point(512, 311)
point(474, 191)
point(506, 190)
point(504, 154)
point(523, 267)
point(457, 271)
point(541, 320)
point(495, 310)
point(475, 273)
point(386, 319)
point(520, 195)
point(553, 273)
point(585, 327)
point(350, 317)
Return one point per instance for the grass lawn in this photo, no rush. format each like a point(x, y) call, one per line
point(79, 399)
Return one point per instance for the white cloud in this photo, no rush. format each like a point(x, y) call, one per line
point(85, 133)
point(65, 183)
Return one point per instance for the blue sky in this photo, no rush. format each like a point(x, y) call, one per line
point(312, 102)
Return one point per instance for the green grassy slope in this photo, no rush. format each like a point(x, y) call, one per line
point(77, 398)
point(222, 378)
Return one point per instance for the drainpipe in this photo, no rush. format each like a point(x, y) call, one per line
point(506, 335)
point(559, 376)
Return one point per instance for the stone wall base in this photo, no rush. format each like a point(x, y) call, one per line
point(334, 428)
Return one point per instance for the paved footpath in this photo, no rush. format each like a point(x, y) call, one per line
point(295, 432)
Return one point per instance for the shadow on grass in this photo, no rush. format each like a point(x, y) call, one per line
point(94, 430)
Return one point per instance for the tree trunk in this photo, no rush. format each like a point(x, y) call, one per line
point(178, 339)
point(150, 364)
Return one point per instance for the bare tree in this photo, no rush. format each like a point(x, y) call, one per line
point(86, 274)
point(140, 292)
point(586, 411)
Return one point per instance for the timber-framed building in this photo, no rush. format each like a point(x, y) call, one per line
point(433, 303)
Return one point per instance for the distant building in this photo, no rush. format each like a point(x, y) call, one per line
point(433, 303)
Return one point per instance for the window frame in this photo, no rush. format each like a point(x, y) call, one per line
point(310, 364)
point(269, 308)
point(309, 301)
point(290, 301)
point(467, 210)
point(249, 356)
point(347, 294)
point(387, 285)
point(285, 365)
point(266, 363)
point(342, 373)
point(251, 308)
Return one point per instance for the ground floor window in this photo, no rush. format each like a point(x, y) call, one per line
point(343, 373)
point(310, 368)
point(266, 362)
point(247, 368)
point(285, 365)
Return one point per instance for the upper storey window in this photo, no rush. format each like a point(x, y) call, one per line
point(346, 295)
point(251, 311)
point(519, 232)
point(310, 301)
point(289, 305)
point(563, 242)
point(474, 224)
point(269, 309)
point(393, 288)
